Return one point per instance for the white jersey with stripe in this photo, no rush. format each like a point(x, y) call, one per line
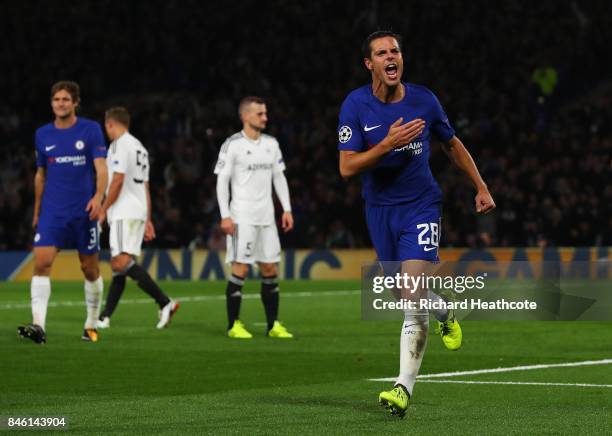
point(250, 165)
point(128, 156)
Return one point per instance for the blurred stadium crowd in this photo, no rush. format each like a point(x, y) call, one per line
point(522, 82)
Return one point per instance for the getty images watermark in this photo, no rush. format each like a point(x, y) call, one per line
point(412, 293)
point(489, 290)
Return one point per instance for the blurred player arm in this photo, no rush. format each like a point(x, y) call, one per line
point(94, 206)
point(223, 198)
point(113, 193)
point(149, 234)
point(39, 187)
point(282, 191)
point(462, 158)
point(354, 162)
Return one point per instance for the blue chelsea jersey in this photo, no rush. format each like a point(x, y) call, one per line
point(403, 175)
point(68, 155)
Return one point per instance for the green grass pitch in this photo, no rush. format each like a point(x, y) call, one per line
point(191, 379)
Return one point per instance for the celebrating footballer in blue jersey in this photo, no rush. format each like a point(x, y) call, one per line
point(384, 134)
point(67, 204)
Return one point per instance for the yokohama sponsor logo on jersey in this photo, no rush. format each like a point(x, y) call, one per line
point(74, 160)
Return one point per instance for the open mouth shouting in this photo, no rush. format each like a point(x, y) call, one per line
point(391, 71)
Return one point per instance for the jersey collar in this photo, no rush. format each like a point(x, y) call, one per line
point(252, 141)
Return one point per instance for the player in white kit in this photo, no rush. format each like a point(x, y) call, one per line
point(251, 162)
point(128, 209)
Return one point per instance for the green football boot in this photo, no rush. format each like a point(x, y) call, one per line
point(279, 331)
point(395, 401)
point(238, 331)
point(450, 331)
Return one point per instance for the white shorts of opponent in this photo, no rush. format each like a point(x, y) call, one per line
point(253, 243)
point(126, 236)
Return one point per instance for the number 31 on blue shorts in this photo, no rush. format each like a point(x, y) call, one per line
point(78, 232)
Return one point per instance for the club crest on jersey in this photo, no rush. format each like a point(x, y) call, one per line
point(344, 134)
point(79, 145)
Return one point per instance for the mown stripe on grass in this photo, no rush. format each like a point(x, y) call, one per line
point(193, 298)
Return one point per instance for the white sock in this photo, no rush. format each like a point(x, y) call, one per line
point(40, 290)
point(412, 347)
point(440, 314)
point(93, 300)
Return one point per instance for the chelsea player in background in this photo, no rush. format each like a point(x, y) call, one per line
point(384, 133)
point(67, 204)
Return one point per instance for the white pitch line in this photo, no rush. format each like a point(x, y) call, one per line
point(473, 382)
point(187, 299)
point(508, 369)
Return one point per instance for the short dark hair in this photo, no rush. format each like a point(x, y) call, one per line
point(248, 100)
point(119, 114)
point(70, 87)
point(367, 49)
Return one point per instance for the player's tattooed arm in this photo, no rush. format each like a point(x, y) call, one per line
point(94, 206)
point(462, 158)
point(354, 162)
point(39, 186)
point(113, 193)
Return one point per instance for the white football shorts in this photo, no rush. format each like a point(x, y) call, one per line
point(253, 243)
point(126, 236)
